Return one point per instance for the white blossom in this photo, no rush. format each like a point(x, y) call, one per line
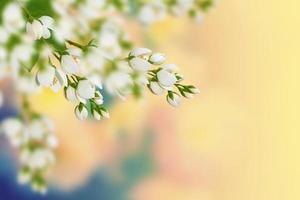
point(69, 64)
point(157, 58)
point(174, 99)
point(139, 64)
point(166, 78)
point(86, 89)
point(156, 88)
point(81, 112)
point(70, 94)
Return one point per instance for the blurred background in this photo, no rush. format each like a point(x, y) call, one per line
point(237, 140)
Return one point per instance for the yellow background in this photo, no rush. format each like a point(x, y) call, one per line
point(237, 140)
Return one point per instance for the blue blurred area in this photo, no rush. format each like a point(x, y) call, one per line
point(133, 167)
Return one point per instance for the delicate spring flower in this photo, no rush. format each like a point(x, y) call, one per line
point(24, 176)
point(173, 99)
point(81, 112)
point(96, 115)
point(166, 78)
point(70, 94)
point(139, 64)
point(98, 98)
point(40, 28)
point(157, 59)
point(69, 64)
point(85, 89)
point(45, 76)
point(156, 88)
point(140, 52)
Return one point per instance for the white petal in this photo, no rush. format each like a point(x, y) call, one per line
point(69, 64)
point(45, 76)
point(175, 101)
point(46, 33)
point(157, 58)
point(37, 29)
point(81, 114)
point(139, 64)
point(47, 21)
point(70, 94)
point(140, 52)
point(156, 89)
point(170, 67)
point(166, 78)
point(86, 89)
point(61, 77)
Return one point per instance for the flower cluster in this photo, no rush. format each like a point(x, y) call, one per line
point(36, 143)
point(161, 78)
point(47, 49)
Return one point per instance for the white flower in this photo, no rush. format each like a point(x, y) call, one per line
point(170, 67)
point(40, 28)
point(70, 94)
point(194, 90)
point(156, 88)
point(60, 80)
point(98, 98)
point(85, 89)
point(96, 115)
point(39, 187)
point(104, 113)
point(69, 64)
point(139, 64)
point(173, 99)
point(138, 52)
point(24, 176)
point(36, 130)
point(46, 76)
point(52, 141)
point(157, 58)
point(166, 78)
point(12, 17)
point(81, 112)
point(152, 12)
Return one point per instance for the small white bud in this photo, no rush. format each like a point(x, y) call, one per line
point(139, 64)
point(81, 112)
point(140, 52)
point(70, 94)
point(156, 88)
point(105, 114)
point(85, 89)
point(96, 115)
point(98, 98)
point(47, 21)
point(166, 78)
point(173, 99)
point(157, 58)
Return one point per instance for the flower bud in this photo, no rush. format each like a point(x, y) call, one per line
point(85, 89)
point(166, 78)
point(70, 94)
point(81, 112)
point(140, 52)
point(96, 115)
point(173, 99)
point(98, 98)
point(104, 113)
point(157, 58)
point(156, 88)
point(139, 64)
